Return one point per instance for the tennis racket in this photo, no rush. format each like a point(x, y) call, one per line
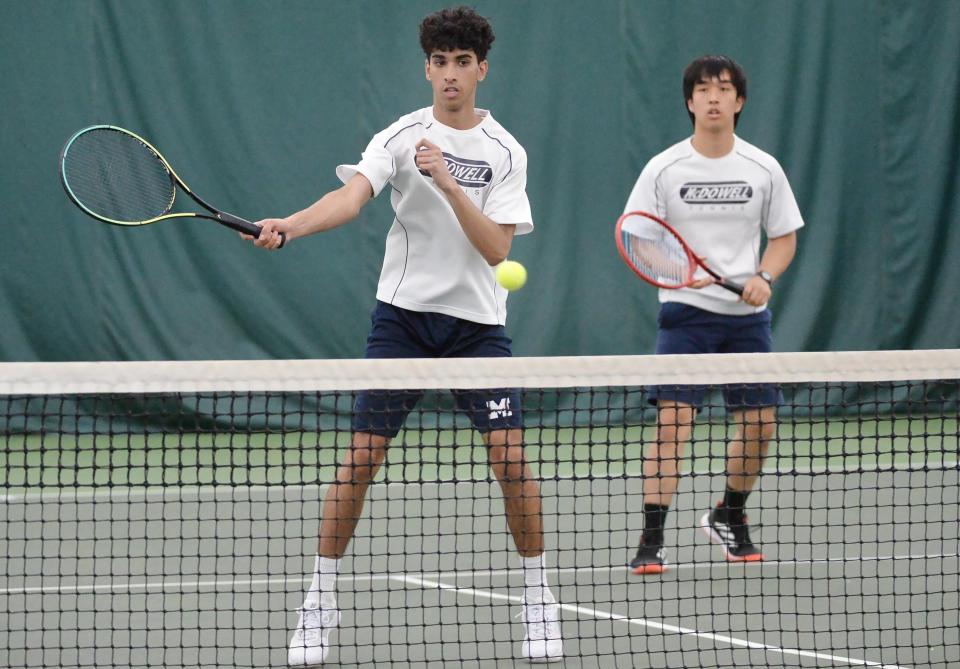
point(118, 177)
point(659, 255)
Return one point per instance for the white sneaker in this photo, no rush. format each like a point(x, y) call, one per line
point(311, 640)
point(543, 642)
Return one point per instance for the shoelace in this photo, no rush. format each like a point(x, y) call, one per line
point(741, 531)
point(318, 618)
point(538, 628)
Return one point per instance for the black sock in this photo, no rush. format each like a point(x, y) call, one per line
point(654, 517)
point(733, 503)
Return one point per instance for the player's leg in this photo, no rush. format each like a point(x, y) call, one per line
point(543, 641)
point(521, 491)
point(497, 414)
point(727, 523)
point(661, 477)
point(755, 429)
point(378, 416)
point(344, 500)
point(319, 615)
point(752, 410)
point(681, 329)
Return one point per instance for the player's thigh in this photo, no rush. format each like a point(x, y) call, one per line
point(489, 409)
point(755, 423)
point(383, 412)
point(684, 329)
point(750, 334)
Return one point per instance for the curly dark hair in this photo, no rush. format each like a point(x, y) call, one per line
point(456, 28)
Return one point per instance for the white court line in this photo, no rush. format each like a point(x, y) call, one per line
point(184, 493)
point(301, 582)
point(608, 615)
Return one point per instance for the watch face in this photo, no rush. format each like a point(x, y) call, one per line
point(765, 276)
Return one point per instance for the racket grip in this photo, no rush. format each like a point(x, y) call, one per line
point(731, 286)
point(245, 226)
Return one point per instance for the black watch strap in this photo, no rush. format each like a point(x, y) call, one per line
point(766, 277)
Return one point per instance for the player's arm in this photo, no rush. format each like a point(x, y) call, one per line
point(332, 210)
point(776, 258)
point(491, 239)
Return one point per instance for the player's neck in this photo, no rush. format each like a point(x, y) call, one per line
point(463, 118)
point(713, 144)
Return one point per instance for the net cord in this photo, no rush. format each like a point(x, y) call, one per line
point(44, 378)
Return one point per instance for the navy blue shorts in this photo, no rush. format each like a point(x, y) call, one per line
point(400, 333)
point(687, 329)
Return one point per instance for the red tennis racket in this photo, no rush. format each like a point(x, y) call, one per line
point(659, 255)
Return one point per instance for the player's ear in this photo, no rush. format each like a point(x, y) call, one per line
point(426, 68)
point(483, 70)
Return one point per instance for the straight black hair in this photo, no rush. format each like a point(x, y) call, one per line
point(706, 68)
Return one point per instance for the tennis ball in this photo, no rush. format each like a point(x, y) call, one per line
point(511, 275)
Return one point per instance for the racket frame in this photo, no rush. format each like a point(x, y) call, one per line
point(693, 259)
point(221, 217)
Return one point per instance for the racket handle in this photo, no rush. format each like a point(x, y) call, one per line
point(245, 226)
point(731, 286)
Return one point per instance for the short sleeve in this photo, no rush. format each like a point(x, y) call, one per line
point(783, 215)
point(376, 164)
point(643, 197)
point(507, 203)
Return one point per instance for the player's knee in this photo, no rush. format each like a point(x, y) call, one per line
point(507, 463)
point(364, 459)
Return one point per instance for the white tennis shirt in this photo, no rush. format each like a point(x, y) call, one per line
point(719, 206)
point(429, 264)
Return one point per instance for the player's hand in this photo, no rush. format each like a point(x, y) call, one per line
point(705, 281)
point(270, 229)
point(756, 292)
point(429, 159)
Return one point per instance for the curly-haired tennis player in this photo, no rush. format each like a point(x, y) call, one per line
point(457, 183)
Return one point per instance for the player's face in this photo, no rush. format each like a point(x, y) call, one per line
point(454, 76)
point(714, 103)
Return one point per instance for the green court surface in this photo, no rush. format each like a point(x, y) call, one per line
point(32, 462)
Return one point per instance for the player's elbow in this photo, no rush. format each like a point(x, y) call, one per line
point(495, 257)
point(498, 246)
point(350, 210)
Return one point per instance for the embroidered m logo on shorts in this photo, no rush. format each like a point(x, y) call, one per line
point(499, 408)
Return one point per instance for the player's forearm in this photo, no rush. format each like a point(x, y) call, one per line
point(491, 239)
point(778, 254)
point(332, 210)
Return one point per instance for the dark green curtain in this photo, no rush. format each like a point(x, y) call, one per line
point(255, 103)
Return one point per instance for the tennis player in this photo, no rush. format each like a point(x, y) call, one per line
point(721, 194)
point(457, 183)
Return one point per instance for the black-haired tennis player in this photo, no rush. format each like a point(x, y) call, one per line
point(721, 194)
point(457, 182)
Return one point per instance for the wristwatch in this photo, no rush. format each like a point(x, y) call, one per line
point(766, 277)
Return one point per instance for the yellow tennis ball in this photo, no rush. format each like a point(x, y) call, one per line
point(511, 275)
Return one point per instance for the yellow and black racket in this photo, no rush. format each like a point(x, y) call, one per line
point(118, 177)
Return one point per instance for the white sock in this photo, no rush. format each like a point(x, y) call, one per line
point(535, 577)
point(323, 588)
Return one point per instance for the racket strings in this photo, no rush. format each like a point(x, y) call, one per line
point(655, 252)
point(117, 177)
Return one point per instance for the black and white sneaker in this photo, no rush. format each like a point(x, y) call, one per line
point(650, 559)
point(733, 538)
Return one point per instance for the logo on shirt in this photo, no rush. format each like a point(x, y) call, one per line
point(716, 192)
point(467, 173)
point(499, 408)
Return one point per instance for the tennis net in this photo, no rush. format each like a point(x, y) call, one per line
point(167, 514)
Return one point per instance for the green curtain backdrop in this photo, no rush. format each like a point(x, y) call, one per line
point(255, 103)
